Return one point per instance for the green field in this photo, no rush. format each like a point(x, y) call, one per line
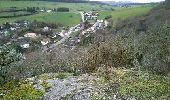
point(13, 13)
point(126, 12)
point(67, 19)
point(42, 4)
point(71, 18)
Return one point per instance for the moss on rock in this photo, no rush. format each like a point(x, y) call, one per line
point(21, 90)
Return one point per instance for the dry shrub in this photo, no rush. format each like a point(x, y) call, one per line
point(57, 60)
point(99, 55)
point(105, 56)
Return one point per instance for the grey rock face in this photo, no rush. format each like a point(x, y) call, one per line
point(68, 89)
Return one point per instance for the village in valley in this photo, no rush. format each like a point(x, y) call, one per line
point(84, 50)
point(46, 38)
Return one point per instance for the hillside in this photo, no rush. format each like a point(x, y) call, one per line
point(150, 37)
point(20, 12)
point(11, 13)
point(128, 58)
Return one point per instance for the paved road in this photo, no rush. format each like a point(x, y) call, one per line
point(68, 33)
point(72, 29)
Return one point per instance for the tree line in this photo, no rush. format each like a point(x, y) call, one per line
point(74, 1)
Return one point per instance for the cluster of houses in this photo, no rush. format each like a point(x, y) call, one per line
point(99, 24)
point(44, 40)
point(8, 27)
point(34, 36)
point(66, 33)
point(96, 24)
point(25, 41)
point(48, 11)
point(30, 36)
point(90, 15)
point(52, 10)
point(92, 28)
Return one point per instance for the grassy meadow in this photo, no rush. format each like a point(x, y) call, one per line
point(71, 18)
point(123, 13)
point(67, 19)
point(44, 4)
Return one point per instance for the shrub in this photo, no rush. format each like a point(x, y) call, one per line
point(146, 86)
point(98, 56)
point(114, 53)
point(148, 36)
point(155, 50)
point(8, 55)
point(61, 75)
point(63, 9)
point(22, 91)
point(45, 85)
point(108, 17)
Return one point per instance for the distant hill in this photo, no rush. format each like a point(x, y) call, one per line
point(121, 3)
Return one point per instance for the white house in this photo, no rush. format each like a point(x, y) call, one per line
point(31, 35)
point(46, 29)
point(106, 23)
point(62, 33)
point(45, 41)
point(54, 35)
point(90, 15)
point(25, 46)
point(12, 29)
point(20, 37)
point(78, 40)
point(48, 11)
point(9, 43)
point(42, 10)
